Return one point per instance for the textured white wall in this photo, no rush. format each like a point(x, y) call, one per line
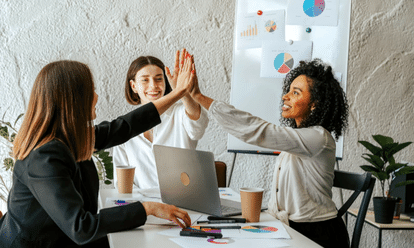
point(108, 35)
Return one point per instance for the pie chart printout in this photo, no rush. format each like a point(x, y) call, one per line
point(283, 63)
point(270, 26)
point(313, 8)
point(260, 229)
point(224, 241)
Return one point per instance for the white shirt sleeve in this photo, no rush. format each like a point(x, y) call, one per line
point(256, 131)
point(195, 128)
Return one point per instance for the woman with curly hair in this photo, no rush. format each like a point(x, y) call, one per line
point(314, 111)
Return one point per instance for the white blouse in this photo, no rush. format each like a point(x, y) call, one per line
point(176, 129)
point(304, 171)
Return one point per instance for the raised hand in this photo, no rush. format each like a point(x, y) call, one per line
point(172, 79)
point(195, 92)
point(168, 212)
point(185, 76)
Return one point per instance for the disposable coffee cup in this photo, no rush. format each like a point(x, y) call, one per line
point(251, 203)
point(125, 175)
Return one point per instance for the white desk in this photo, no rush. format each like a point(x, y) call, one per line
point(147, 235)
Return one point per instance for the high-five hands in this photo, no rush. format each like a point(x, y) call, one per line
point(183, 71)
point(168, 212)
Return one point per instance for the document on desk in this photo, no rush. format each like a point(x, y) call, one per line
point(259, 230)
point(189, 242)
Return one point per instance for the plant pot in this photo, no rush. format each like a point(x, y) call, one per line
point(384, 209)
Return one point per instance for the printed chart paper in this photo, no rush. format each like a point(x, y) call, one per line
point(189, 242)
point(278, 58)
point(252, 28)
point(259, 230)
point(313, 12)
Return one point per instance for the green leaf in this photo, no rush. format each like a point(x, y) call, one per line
point(372, 148)
point(369, 168)
point(383, 176)
point(109, 173)
point(398, 148)
point(12, 137)
point(4, 132)
point(404, 171)
point(404, 183)
point(17, 119)
point(8, 163)
point(374, 160)
point(394, 167)
point(107, 182)
point(382, 140)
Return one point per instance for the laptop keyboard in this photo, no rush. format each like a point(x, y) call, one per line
point(228, 209)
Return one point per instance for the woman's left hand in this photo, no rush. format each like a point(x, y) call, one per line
point(172, 79)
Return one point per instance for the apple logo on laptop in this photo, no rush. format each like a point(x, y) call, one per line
point(185, 179)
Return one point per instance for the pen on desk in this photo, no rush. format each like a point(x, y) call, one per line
point(221, 227)
point(237, 220)
point(216, 221)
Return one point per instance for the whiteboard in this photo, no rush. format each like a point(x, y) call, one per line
point(261, 96)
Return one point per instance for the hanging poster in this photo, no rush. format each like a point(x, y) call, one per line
point(278, 58)
point(254, 28)
point(313, 12)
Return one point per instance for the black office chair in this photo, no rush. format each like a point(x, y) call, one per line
point(359, 183)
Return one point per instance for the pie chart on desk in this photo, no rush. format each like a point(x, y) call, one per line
point(283, 63)
point(313, 8)
point(260, 229)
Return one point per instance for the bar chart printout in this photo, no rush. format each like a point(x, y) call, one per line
point(250, 31)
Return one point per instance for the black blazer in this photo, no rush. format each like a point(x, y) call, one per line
point(53, 201)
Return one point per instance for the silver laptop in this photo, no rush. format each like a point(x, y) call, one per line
point(188, 180)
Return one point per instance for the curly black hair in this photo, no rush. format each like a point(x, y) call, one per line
point(331, 106)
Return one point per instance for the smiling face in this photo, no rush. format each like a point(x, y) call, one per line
point(149, 83)
point(296, 103)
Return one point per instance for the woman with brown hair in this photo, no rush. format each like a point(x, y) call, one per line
point(182, 125)
point(53, 201)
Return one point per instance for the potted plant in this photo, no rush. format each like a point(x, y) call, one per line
point(8, 132)
point(383, 166)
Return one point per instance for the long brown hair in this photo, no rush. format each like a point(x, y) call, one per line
point(136, 65)
point(60, 108)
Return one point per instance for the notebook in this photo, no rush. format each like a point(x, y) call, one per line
point(187, 179)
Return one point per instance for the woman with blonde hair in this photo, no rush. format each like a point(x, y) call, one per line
point(54, 198)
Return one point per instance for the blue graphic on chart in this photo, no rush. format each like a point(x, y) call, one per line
point(279, 58)
point(313, 12)
point(313, 8)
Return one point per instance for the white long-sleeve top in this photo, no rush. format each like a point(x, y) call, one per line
point(304, 171)
point(176, 129)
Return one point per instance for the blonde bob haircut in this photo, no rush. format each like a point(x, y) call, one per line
point(60, 108)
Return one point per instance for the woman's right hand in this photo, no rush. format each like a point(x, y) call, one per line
point(168, 212)
point(185, 76)
point(195, 92)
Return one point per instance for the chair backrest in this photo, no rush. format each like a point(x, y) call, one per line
point(358, 183)
point(221, 173)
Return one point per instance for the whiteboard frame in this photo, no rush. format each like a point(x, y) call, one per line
point(261, 96)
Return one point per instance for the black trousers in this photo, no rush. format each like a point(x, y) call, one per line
point(328, 233)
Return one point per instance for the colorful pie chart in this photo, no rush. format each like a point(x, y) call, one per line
point(283, 63)
point(313, 8)
point(259, 229)
point(270, 26)
point(224, 241)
